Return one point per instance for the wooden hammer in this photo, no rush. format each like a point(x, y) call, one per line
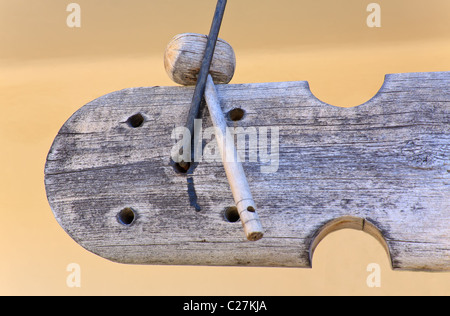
point(182, 60)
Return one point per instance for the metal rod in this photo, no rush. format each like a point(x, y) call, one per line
point(206, 64)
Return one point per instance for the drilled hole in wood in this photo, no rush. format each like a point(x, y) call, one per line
point(181, 167)
point(136, 120)
point(236, 114)
point(231, 214)
point(126, 216)
point(251, 209)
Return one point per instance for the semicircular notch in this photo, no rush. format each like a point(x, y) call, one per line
point(351, 222)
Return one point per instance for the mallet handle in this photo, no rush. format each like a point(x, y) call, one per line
point(233, 168)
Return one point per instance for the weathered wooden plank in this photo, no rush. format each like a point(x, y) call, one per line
point(382, 167)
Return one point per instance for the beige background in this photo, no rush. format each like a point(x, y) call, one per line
point(48, 71)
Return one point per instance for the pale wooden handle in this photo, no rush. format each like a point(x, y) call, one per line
point(233, 168)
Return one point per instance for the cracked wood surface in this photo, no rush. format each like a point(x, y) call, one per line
point(382, 167)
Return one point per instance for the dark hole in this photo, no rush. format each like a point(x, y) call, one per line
point(236, 114)
point(135, 120)
point(251, 209)
point(126, 216)
point(182, 167)
point(231, 214)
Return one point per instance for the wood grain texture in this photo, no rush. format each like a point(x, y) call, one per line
point(184, 55)
point(382, 167)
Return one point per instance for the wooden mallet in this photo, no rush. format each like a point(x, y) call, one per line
point(182, 60)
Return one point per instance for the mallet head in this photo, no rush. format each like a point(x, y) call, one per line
point(184, 54)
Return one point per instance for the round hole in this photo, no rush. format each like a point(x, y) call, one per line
point(182, 167)
point(231, 214)
point(135, 120)
point(251, 209)
point(236, 114)
point(126, 216)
